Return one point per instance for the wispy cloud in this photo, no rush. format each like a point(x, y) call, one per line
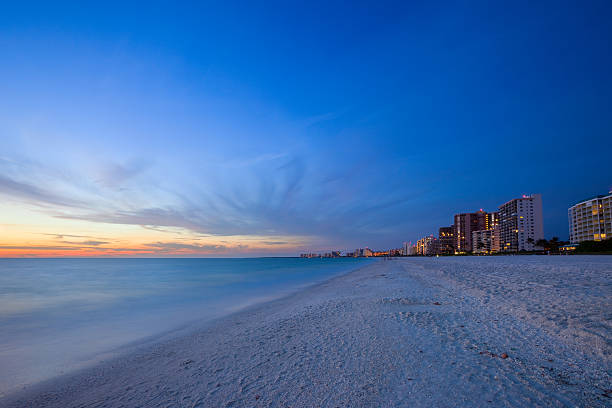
point(313, 120)
point(274, 195)
point(252, 161)
point(113, 175)
point(35, 195)
point(42, 247)
point(170, 247)
point(155, 248)
point(90, 243)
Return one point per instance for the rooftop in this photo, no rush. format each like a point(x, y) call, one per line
point(593, 198)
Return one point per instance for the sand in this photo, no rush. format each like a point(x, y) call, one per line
point(517, 331)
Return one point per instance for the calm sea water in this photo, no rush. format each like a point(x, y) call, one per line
point(60, 314)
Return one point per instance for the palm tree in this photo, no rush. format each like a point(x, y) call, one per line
point(542, 243)
point(555, 243)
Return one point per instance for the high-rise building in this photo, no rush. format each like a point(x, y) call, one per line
point(482, 241)
point(366, 252)
point(591, 220)
point(495, 241)
point(409, 249)
point(520, 223)
point(494, 228)
point(396, 252)
point(487, 241)
point(446, 240)
point(427, 246)
point(466, 224)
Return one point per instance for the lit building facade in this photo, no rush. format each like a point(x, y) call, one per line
point(466, 224)
point(482, 241)
point(396, 252)
point(591, 220)
point(495, 240)
point(409, 249)
point(427, 246)
point(446, 240)
point(520, 223)
point(365, 252)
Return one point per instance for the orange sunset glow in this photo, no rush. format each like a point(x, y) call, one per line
point(28, 231)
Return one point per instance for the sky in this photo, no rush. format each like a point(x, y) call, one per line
point(274, 128)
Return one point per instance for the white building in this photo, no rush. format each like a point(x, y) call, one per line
point(520, 223)
point(591, 220)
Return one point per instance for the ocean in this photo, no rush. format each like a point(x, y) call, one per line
point(58, 315)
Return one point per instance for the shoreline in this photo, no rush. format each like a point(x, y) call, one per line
point(385, 334)
point(184, 329)
point(39, 344)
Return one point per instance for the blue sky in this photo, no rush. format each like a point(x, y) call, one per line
point(304, 125)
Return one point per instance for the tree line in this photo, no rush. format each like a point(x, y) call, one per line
point(553, 245)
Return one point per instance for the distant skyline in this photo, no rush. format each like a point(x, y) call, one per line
point(242, 130)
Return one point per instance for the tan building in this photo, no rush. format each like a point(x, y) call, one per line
point(591, 220)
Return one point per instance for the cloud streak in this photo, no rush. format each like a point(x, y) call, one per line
point(114, 175)
point(35, 195)
point(274, 195)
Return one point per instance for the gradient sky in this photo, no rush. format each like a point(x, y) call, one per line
point(239, 129)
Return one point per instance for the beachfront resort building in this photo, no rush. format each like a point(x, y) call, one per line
point(446, 240)
point(466, 224)
point(487, 241)
point(495, 239)
point(408, 249)
point(365, 252)
point(591, 220)
point(427, 246)
point(396, 252)
point(520, 223)
point(482, 241)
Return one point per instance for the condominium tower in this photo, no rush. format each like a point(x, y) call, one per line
point(466, 224)
point(591, 220)
point(520, 223)
point(482, 241)
point(427, 246)
point(446, 242)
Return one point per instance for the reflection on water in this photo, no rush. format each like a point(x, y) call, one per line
point(58, 314)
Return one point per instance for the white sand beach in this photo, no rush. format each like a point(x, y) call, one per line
point(511, 331)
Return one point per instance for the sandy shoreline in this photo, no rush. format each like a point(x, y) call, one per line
point(411, 332)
